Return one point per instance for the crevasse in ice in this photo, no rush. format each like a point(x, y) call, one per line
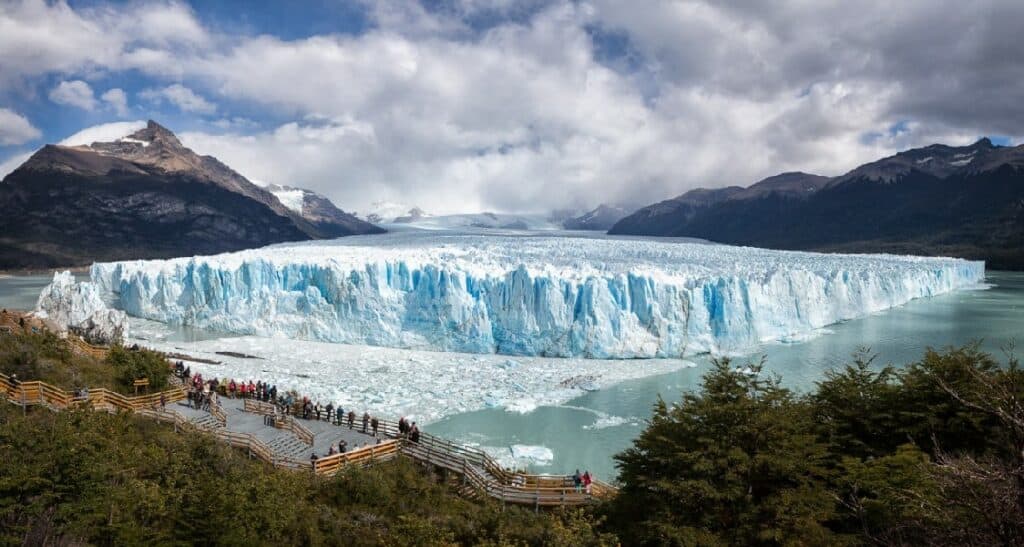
point(547, 295)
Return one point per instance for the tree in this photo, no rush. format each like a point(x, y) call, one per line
point(737, 463)
point(855, 408)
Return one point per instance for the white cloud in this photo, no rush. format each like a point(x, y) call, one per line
point(180, 96)
point(15, 128)
point(74, 93)
point(39, 37)
point(528, 111)
point(107, 132)
point(117, 99)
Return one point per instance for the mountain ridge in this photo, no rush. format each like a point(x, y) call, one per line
point(965, 201)
point(144, 195)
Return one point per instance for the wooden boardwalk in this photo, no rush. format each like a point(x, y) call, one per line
point(291, 443)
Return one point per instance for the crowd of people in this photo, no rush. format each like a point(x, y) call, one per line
point(204, 392)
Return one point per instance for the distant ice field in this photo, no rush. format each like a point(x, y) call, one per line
point(526, 294)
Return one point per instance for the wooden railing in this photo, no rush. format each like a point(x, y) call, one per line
point(217, 412)
point(329, 465)
point(300, 431)
point(478, 469)
point(258, 407)
point(486, 475)
point(257, 448)
point(43, 394)
point(81, 346)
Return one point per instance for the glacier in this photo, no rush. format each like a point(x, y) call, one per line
point(522, 293)
point(79, 307)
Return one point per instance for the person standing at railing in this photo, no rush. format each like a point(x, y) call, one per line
point(351, 418)
point(374, 423)
point(586, 481)
point(342, 446)
point(577, 481)
point(330, 411)
point(403, 426)
point(414, 433)
point(366, 420)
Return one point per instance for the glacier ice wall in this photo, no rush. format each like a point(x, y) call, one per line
point(79, 306)
point(542, 295)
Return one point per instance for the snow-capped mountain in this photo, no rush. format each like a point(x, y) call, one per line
point(144, 195)
point(965, 201)
point(317, 210)
point(601, 218)
point(389, 212)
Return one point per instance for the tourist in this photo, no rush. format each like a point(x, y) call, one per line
point(586, 481)
point(373, 425)
point(339, 415)
point(273, 393)
point(414, 433)
point(317, 410)
point(342, 446)
point(312, 459)
point(330, 451)
point(232, 386)
point(163, 400)
point(351, 418)
point(577, 481)
point(403, 426)
point(366, 420)
point(330, 410)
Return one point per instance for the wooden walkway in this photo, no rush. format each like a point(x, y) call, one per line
point(290, 442)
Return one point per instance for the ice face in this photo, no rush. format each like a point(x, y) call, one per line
point(79, 305)
point(520, 294)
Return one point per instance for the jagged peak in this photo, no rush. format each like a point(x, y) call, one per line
point(154, 132)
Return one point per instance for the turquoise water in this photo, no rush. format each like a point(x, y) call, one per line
point(588, 430)
point(899, 336)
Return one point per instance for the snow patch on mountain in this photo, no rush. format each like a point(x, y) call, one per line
point(108, 132)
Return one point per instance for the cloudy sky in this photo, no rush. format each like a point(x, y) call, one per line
point(517, 106)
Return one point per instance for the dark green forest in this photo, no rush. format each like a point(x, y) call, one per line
point(929, 454)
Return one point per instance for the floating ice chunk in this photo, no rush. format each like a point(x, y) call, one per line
point(535, 455)
point(604, 421)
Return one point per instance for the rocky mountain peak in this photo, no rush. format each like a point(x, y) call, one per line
point(155, 133)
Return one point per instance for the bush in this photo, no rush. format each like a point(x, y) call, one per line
point(131, 365)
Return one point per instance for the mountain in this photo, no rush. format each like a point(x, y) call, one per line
point(319, 211)
point(965, 201)
point(601, 218)
point(142, 196)
point(387, 212)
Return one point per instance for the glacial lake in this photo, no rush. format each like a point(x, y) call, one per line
point(586, 432)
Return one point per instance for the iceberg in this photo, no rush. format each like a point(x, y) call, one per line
point(531, 294)
point(79, 307)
